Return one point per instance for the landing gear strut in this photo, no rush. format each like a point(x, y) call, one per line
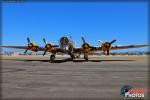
point(77, 55)
point(86, 56)
point(72, 56)
point(52, 57)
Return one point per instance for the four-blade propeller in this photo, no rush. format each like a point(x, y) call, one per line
point(85, 45)
point(106, 46)
point(48, 46)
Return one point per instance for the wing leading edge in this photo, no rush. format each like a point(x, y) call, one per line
point(127, 47)
point(96, 48)
point(76, 50)
point(14, 47)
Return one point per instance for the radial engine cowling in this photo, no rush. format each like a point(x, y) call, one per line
point(49, 47)
point(106, 46)
point(33, 47)
point(85, 47)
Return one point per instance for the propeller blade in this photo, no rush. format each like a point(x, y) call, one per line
point(44, 52)
point(100, 41)
point(26, 51)
point(55, 46)
point(28, 40)
point(113, 41)
point(83, 39)
point(44, 41)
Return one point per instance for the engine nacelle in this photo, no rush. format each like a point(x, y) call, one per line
point(50, 47)
point(86, 47)
point(33, 46)
point(106, 46)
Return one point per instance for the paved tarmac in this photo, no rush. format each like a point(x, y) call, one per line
point(34, 77)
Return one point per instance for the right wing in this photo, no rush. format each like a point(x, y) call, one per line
point(14, 47)
point(25, 47)
point(93, 48)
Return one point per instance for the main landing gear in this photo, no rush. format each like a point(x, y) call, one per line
point(52, 57)
point(77, 55)
point(86, 56)
point(72, 56)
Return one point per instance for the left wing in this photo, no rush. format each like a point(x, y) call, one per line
point(92, 48)
point(127, 47)
point(96, 48)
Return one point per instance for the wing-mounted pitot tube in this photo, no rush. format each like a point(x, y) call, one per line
point(106, 46)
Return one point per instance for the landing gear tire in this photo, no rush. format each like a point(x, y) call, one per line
point(52, 57)
point(78, 56)
point(72, 56)
point(86, 56)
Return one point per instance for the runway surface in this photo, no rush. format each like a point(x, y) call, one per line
point(99, 78)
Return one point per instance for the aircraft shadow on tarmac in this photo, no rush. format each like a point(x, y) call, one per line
point(76, 60)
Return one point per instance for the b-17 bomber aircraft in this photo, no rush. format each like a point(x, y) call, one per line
point(67, 46)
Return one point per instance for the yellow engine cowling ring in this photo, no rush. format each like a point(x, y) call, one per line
point(86, 48)
point(33, 47)
point(106, 46)
point(52, 50)
point(49, 47)
point(87, 51)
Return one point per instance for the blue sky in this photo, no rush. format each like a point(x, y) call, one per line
point(125, 21)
